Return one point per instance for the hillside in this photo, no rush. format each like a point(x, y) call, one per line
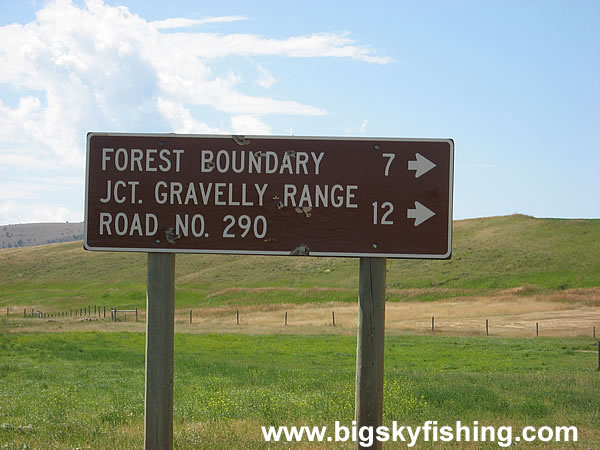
point(490, 254)
point(30, 234)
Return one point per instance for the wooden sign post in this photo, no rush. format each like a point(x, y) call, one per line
point(160, 320)
point(369, 347)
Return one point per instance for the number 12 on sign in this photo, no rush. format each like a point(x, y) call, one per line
point(385, 210)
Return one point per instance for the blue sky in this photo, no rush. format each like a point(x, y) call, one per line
point(516, 84)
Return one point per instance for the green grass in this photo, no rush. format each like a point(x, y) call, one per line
point(86, 389)
point(489, 254)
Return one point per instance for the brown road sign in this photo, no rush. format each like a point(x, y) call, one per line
point(273, 195)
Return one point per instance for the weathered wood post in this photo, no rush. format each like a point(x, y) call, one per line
point(487, 330)
point(190, 316)
point(237, 316)
point(285, 321)
point(160, 323)
point(537, 329)
point(333, 318)
point(370, 341)
point(432, 323)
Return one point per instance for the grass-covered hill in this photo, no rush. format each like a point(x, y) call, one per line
point(29, 234)
point(490, 254)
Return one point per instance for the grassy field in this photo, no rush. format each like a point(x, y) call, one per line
point(491, 254)
point(85, 389)
point(68, 383)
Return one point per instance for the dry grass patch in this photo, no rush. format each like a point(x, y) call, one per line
point(509, 313)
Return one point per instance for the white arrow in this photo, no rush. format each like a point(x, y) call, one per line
point(422, 165)
point(420, 213)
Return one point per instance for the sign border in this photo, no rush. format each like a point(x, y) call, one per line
point(446, 255)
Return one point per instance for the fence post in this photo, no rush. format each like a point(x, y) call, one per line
point(105, 312)
point(486, 328)
point(25, 312)
point(432, 323)
point(333, 318)
point(237, 316)
point(190, 316)
point(285, 323)
point(537, 329)
point(136, 314)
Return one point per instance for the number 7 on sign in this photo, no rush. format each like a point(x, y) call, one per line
point(391, 157)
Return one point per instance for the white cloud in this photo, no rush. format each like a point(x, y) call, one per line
point(174, 23)
point(265, 78)
point(317, 45)
point(181, 120)
point(30, 187)
point(35, 212)
point(244, 124)
point(97, 65)
point(363, 126)
point(361, 129)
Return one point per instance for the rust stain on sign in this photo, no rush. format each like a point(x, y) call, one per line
point(301, 250)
